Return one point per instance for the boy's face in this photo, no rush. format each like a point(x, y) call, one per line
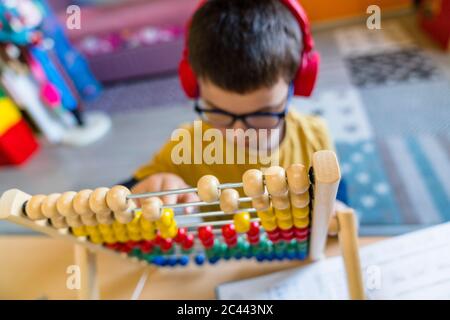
point(271, 99)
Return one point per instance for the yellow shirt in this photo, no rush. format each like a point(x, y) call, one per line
point(304, 135)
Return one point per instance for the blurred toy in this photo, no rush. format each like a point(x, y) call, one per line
point(33, 41)
point(435, 20)
point(17, 143)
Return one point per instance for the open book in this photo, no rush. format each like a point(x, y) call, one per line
point(411, 266)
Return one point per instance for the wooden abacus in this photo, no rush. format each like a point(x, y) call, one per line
point(290, 217)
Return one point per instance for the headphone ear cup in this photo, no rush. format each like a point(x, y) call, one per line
point(305, 79)
point(188, 79)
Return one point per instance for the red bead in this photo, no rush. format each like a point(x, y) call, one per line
point(253, 239)
point(208, 243)
point(228, 231)
point(181, 235)
point(158, 240)
point(166, 245)
point(301, 238)
point(188, 242)
point(131, 244)
point(301, 232)
point(125, 249)
point(254, 229)
point(273, 236)
point(287, 234)
point(231, 242)
point(113, 246)
point(146, 246)
point(205, 232)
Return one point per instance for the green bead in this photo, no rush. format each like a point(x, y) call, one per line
point(223, 248)
point(157, 250)
point(187, 251)
point(282, 245)
point(292, 244)
point(234, 251)
point(256, 250)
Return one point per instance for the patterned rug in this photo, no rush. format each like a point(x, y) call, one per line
point(389, 112)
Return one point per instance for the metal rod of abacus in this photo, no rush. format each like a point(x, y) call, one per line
point(211, 214)
point(210, 223)
point(199, 203)
point(179, 191)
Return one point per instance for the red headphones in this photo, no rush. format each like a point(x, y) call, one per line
point(305, 78)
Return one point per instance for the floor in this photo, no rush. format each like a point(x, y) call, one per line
point(385, 94)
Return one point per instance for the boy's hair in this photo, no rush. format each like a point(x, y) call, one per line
point(244, 45)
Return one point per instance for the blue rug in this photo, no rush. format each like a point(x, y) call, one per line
point(388, 108)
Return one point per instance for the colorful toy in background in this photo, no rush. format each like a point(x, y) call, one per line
point(128, 39)
point(17, 142)
point(435, 19)
point(45, 76)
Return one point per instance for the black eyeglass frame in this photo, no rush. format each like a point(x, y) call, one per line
point(243, 117)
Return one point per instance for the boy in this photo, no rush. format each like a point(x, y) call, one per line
point(245, 55)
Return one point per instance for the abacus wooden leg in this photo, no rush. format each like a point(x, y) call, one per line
point(86, 260)
point(326, 181)
point(348, 240)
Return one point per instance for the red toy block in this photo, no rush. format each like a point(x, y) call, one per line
point(435, 20)
point(17, 144)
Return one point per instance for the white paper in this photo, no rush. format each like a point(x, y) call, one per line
point(412, 266)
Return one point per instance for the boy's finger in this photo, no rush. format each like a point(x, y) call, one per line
point(170, 184)
point(189, 197)
point(147, 185)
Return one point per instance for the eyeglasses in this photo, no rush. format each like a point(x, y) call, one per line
point(256, 120)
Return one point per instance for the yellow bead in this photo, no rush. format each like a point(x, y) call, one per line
point(133, 228)
point(79, 232)
point(241, 222)
point(120, 232)
point(149, 235)
point(147, 225)
point(136, 236)
point(170, 232)
point(166, 219)
point(110, 239)
point(91, 229)
point(104, 229)
point(96, 239)
point(284, 214)
point(285, 224)
point(122, 238)
point(301, 223)
point(272, 219)
point(266, 214)
point(117, 225)
point(300, 213)
point(269, 225)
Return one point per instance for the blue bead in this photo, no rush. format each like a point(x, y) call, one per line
point(301, 255)
point(158, 260)
point(213, 260)
point(172, 261)
point(290, 255)
point(183, 260)
point(279, 256)
point(238, 256)
point(199, 259)
point(260, 257)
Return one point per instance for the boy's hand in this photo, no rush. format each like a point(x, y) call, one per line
point(165, 181)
